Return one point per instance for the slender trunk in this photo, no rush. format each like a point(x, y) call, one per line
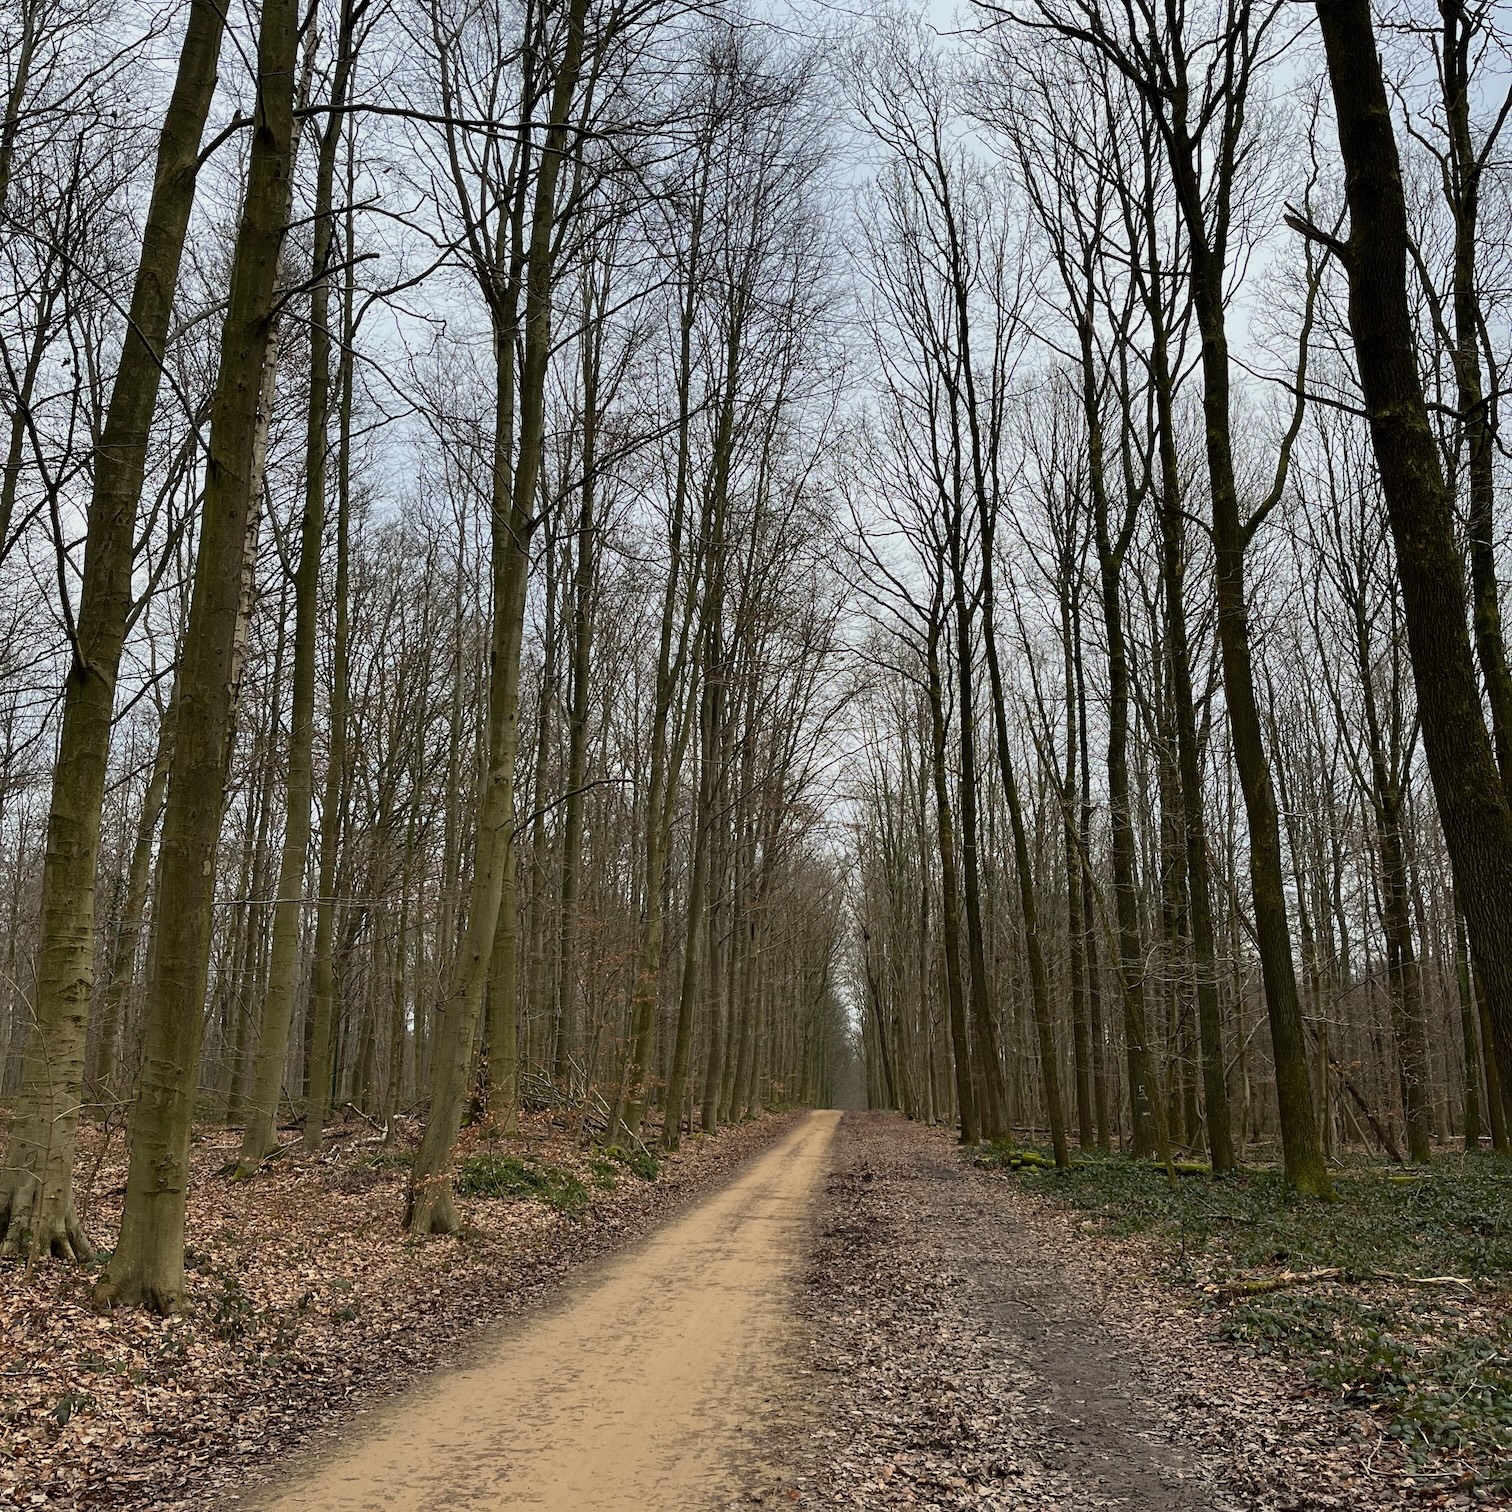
point(567, 1036)
point(1472, 1124)
point(649, 954)
point(992, 1110)
point(535, 924)
point(431, 1205)
point(1038, 982)
point(1219, 1118)
point(260, 1135)
point(318, 1066)
point(123, 957)
point(1146, 1107)
point(698, 884)
point(950, 924)
point(1302, 1152)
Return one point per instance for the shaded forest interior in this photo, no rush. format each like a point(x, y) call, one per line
point(628, 565)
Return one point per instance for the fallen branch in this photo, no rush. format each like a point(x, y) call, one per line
point(1258, 1286)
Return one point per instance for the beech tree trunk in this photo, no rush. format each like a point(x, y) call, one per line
point(950, 909)
point(1472, 800)
point(148, 1264)
point(260, 1135)
point(36, 1178)
point(431, 1205)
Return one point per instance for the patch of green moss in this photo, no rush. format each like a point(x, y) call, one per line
point(494, 1175)
point(641, 1163)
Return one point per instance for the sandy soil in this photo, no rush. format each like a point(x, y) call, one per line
point(649, 1386)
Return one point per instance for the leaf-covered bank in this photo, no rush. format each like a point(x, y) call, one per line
point(1396, 1298)
point(306, 1301)
point(987, 1347)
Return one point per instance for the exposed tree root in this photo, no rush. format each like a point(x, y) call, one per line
point(33, 1227)
point(432, 1207)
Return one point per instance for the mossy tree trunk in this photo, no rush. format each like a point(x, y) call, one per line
point(36, 1180)
point(148, 1264)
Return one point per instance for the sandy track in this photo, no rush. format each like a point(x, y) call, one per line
point(640, 1391)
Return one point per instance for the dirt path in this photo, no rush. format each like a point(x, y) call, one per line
point(640, 1390)
point(978, 1356)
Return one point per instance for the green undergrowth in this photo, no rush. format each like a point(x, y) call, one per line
point(494, 1175)
point(610, 1160)
point(1433, 1359)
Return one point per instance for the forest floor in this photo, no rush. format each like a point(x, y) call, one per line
point(307, 1301)
point(1029, 1341)
point(857, 1315)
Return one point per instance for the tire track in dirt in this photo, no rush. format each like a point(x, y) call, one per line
point(965, 1370)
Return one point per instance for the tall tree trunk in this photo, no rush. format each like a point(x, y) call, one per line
point(1146, 1106)
point(698, 881)
point(36, 1179)
point(318, 1065)
point(260, 1135)
point(535, 924)
point(992, 1111)
point(431, 1206)
point(148, 1264)
point(1462, 189)
point(644, 994)
point(585, 549)
point(950, 913)
point(1219, 1119)
point(1088, 898)
point(1472, 802)
point(1038, 983)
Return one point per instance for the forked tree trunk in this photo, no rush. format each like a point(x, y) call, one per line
point(1302, 1152)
